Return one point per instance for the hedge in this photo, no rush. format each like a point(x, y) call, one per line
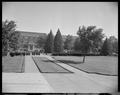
point(35, 53)
point(4, 53)
point(17, 54)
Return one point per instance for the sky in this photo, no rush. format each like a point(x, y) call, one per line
point(67, 16)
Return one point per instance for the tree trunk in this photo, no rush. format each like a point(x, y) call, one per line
point(84, 59)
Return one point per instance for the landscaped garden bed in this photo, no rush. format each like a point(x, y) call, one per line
point(47, 66)
point(107, 65)
point(13, 64)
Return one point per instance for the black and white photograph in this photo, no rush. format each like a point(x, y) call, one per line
point(60, 47)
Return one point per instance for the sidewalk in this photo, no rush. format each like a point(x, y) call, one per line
point(24, 83)
point(30, 66)
point(32, 81)
point(83, 81)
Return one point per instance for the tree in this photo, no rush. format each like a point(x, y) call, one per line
point(58, 42)
point(49, 44)
point(114, 42)
point(68, 43)
point(90, 38)
point(77, 44)
point(9, 36)
point(115, 46)
point(106, 48)
point(14, 41)
point(41, 42)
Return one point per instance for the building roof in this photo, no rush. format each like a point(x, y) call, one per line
point(33, 34)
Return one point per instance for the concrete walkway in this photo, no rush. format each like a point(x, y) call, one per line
point(30, 66)
point(32, 81)
point(81, 81)
point(24, 83)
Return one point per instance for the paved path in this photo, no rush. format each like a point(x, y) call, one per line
point(30, 66)
point(32, 81)
point(81, 81)
point(24, 83)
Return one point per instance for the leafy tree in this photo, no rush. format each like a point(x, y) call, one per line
point(90, 38)
point(106, 48)
point(41, 42)
point(114, 42)
point(115, 46)
point(49, 44)
point(58, 42)
point(77, 44)
point(84, 41)
point(9, 36)
point(68, 43)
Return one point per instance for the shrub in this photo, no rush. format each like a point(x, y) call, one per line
point(37, 53)
point(12, 54)
point(4, 53)
point(27, 53)
point(23, 53)
point(33, 53)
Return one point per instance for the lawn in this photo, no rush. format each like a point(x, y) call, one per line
point(46, 66)
point(93, 64)
point(13, 64)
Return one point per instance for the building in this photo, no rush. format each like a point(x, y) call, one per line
point(28, 40)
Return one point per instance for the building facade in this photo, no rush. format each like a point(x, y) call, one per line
point(28, 40)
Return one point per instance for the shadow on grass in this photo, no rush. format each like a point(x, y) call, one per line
point(64, 61)
point(53, 71)
point(70, 62)
point(50, 61)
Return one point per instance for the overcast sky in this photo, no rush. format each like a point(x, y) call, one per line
point(67, 16)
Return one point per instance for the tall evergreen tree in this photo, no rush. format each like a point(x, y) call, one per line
point(58, 42)
point(49, 44)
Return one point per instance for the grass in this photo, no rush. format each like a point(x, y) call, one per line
point(107, 65)
point(46, 66)
point(13, 64)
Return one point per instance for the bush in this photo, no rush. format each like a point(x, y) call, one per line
point(4, 53)
point(27, 53)
point(37, 53)
point(33, 53)
point(23, 53)
point(12, 54)
point(17, 54)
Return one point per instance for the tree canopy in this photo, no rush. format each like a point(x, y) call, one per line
point(77, 44)
point(9, 36)
point(49, 44)
point(68, 43)
point(114, 43)
point(90, 38)
point(58, 42)
point(41, 42)
point(106, 48)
